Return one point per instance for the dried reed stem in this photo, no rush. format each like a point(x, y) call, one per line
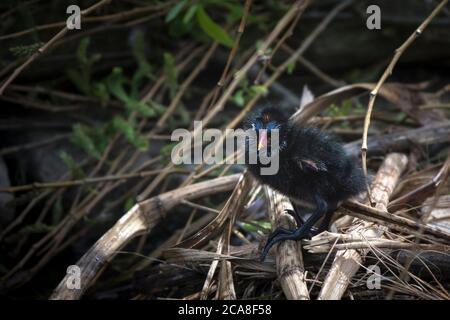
point(138, 220)
point(289, 259)
point(347, 262)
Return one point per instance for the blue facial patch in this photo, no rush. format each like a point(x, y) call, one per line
point(258, 125)
point(272, 125)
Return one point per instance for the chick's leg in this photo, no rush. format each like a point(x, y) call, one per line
point(300, 232)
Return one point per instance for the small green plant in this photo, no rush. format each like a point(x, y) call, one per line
point(93, 140)
point(246, 92)
point(76, 171)
point(258, 226)
point(170, 73)
point(130, 133)
point(181, 19)
point(117, 85)
point(26, 50)
point(82, 76)
point(212, 29)
point(346, 108)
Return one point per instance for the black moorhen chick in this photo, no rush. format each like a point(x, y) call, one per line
point(312, 167)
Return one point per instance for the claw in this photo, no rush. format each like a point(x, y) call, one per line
point(270, 243)
point(282, 235)
point(267, 247)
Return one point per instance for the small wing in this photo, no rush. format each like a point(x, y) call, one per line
point(310, 164)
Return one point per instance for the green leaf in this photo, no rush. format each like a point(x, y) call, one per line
point(85, 61)
point(57, 211)
point(290, 67)
point(159, 108)
point(238, 98)
point(248, 227)
point(259, 44)
point(77, 172)
point(184, 114)
point(332, 111)
point(144, 68)
point(256, 226)
point(346, 107)
point(400, 116)
point(138, 51)
point(259, 89)
point(235, 11)
point(82, 50)
point(67, 159)
point(81, 76)
point(115, 83)
point(129, 203)
point(212, 29)
point(173, 13)
point(100, 90)
point(264, 224)
point(170, 73)
point(190, 13)
point(80, 137)
point(166, 150)
point(178, 29)
point(77, 79)
point(130, 133)
point(26, 50)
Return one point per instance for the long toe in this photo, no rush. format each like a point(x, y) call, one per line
point(282, 234)
point(275, 240)
point(267, 248)
point(303, 233)
point(270, 240)
point(265, 251)
point(277, 232)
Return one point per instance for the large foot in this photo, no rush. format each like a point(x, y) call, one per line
point(272, 239)
point(282, 234)
point(305, 230)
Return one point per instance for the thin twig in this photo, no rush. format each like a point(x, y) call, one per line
point(373, 94)
point(47, 46)
point(80, 182)
point(114, 16)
